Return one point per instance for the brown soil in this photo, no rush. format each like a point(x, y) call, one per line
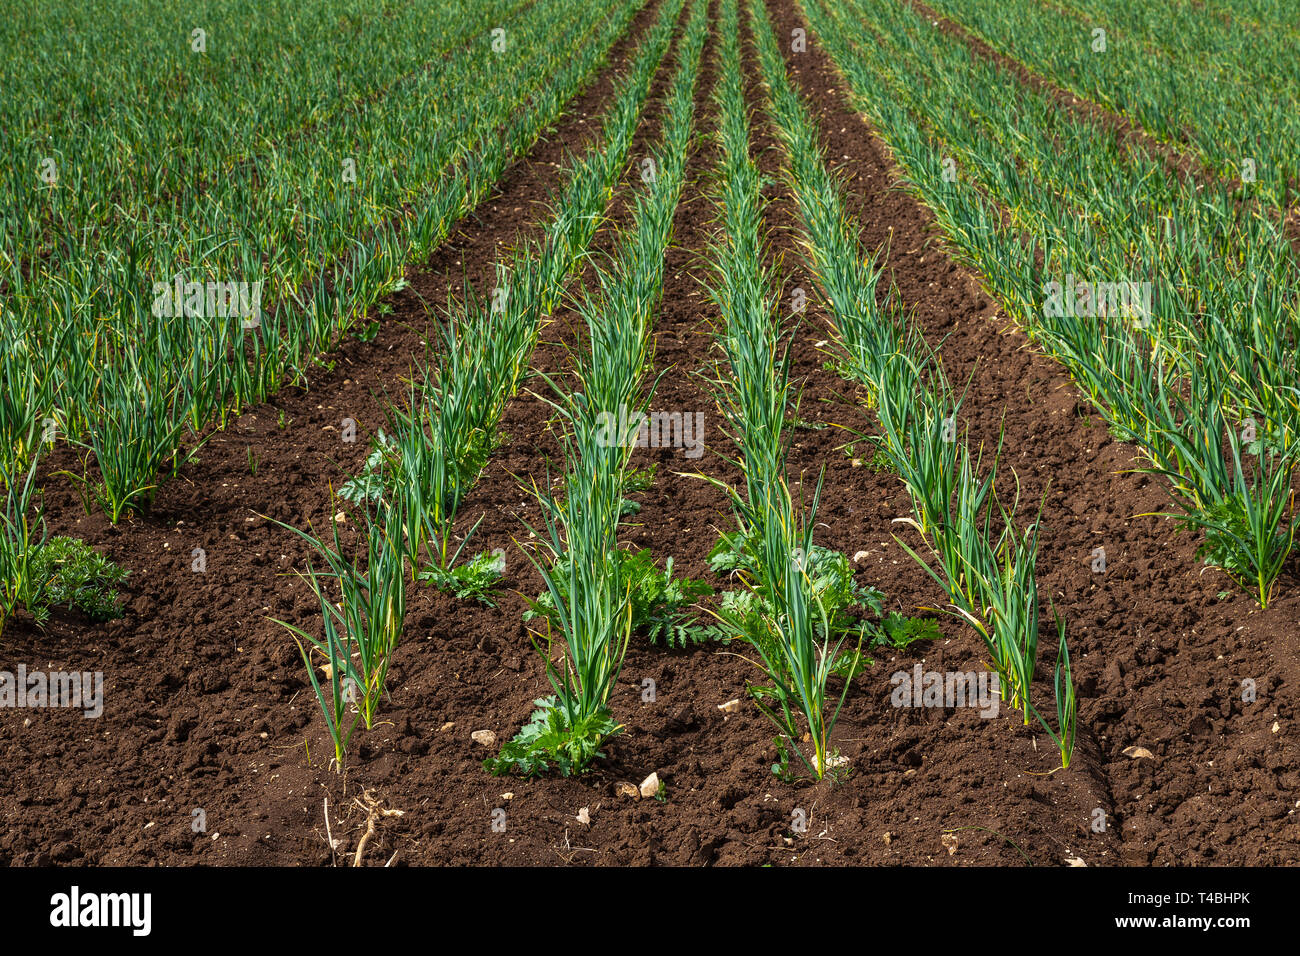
point(207, 705)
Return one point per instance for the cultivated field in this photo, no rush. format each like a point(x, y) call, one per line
point(595, 432)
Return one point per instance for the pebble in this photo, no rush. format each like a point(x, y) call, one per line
point(650, 785)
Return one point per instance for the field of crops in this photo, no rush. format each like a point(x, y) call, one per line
point(741, 432)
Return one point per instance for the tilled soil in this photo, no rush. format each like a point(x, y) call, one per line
point(207, 706)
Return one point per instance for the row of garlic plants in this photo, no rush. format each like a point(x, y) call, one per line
point(578, 553)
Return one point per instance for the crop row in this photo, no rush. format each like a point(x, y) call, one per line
point(587, 597)
point(779, 612)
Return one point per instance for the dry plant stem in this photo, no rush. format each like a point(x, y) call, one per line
point(374, 811)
